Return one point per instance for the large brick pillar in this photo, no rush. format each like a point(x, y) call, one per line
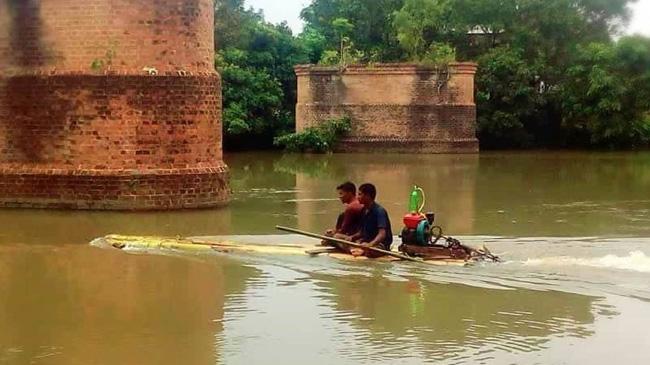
point(393, 107)
point(109, 104)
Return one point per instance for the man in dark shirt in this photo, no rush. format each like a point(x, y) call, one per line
point(375, 225)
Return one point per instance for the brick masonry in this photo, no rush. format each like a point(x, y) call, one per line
point(109, 104)
point(394, 107)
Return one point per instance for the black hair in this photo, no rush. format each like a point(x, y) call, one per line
point(348, 187)
point(368, 189)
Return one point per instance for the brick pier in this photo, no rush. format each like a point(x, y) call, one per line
point(394, 107)
point(109, 104)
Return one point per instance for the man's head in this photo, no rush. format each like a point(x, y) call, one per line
point(367, 194)
point(347, 191)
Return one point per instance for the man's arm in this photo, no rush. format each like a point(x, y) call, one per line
point(381, 236)
point(355, 236)
point(376, 241)
point(382, 225)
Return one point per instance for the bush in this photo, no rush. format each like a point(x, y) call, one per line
point(318, 139)
point(439, 55)
point(330, 58)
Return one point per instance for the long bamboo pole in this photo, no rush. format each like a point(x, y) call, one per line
point(353, 244)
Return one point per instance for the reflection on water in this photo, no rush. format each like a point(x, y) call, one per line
point(74, 227)
point(82, 305)
point(299, 312)
point(75, 304)
point(566, 194)
point(449, 176)
point(455, 322)
point(504, 194)
point(63, 302)
point(518, 194)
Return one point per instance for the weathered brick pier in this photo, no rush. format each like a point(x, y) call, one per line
point(109, 104)
point(393, 107)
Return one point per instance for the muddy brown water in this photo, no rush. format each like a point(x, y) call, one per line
point(573, 227)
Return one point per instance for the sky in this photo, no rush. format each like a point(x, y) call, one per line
point(277, 11)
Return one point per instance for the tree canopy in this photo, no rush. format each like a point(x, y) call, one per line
point(255, 59)
point(552, 73)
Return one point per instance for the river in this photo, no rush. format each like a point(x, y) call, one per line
point(573, 228)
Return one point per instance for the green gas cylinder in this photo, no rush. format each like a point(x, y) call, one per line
point(416, 200)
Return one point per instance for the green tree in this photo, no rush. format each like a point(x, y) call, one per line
point(342, 27)
point(550, 73)
point(314, 42)
point(374, 35)
point(420, 24)
point(607, 102)
point(546, 36)
point(252, 97)
point(507, 98)
point(256, 61)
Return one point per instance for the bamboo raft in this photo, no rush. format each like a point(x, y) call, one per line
point(216, 245)
point(153, 243)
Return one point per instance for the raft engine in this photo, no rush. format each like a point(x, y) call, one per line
point(420, 236)
point(418, 227)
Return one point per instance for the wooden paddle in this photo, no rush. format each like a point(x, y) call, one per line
point(353, 244)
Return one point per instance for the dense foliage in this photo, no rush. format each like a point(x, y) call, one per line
point(255, 60)
point(552, 73)
point(608, 100)
point(318, 139)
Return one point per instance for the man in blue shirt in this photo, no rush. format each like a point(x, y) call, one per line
point(375, 224)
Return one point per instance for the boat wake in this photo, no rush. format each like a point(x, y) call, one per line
point(636, 261)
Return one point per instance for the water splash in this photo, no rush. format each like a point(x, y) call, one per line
point(635, 261)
